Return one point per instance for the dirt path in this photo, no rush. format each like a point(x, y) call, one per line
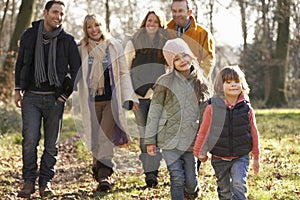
point(73, 179)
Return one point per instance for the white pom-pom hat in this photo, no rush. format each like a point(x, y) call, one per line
point(174, 47)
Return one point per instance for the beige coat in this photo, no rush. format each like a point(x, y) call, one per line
point(123, 88)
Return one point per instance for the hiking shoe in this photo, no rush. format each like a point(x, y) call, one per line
point(104, 185)
point(191, 196)
point(151, 180)
point(27, 190)
point(46, 190)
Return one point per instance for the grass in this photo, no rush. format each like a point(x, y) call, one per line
point(278, 179)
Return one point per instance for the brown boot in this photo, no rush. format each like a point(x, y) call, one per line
point(105, 184)
point(191, 196)
point(151, 179)
point(104, 179)
point(27, 190)
point(46, 190)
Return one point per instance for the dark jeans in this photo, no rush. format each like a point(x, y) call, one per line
point(38, 110)
point(150, 163)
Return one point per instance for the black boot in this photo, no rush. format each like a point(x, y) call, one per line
point(102, 174)
point(151, 179)
point(105, 184)
point(150, 167)
point(191, 196)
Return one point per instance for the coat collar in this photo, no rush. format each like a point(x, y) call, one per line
point(172, 25)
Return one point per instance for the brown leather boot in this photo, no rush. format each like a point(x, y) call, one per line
point(191, 196)
point(46, 190)
point(27, 190)
point(104, 179)
point(105, 184)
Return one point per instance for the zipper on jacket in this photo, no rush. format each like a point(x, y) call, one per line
point(230, 138)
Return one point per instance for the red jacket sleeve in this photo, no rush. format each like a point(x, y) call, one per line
point(204, 130)
point(255, 135)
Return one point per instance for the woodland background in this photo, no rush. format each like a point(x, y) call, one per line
point(269, 53)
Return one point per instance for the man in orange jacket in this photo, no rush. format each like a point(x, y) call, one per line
point(199, 39)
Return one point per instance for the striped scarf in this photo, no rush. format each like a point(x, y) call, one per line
point(181, 30)
point(43, 38)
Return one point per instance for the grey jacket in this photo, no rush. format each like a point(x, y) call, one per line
point(173, 118)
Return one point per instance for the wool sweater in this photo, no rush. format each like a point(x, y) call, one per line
point(148, 64)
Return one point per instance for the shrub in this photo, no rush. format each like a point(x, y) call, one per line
point(10, 120)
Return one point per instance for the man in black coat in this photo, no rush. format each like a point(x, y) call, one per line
point(47, 64)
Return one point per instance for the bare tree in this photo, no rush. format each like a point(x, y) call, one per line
point(243, 6)
point(23, 20)
point(107, 15)
point(293, 78)
point(13, 12)
point(265, 46)
point(277, 96)
point(3, 19)
point(211, 10)
point(131, 9)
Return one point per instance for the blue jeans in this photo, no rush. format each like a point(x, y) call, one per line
point(38, 109)
point(150, 163)
point(231, 177)
point(182, 170)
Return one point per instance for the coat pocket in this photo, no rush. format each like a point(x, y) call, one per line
point(24, 77)
point(161, 124)
point(196, 125)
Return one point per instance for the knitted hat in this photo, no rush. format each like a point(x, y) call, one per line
point(174, 47)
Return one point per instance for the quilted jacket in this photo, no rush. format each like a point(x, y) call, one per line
point(173, 118)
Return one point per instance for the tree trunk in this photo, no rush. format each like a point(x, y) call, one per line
point(13, 12)
point(23, 21)
point(266, 53)
point(277, 96)
point(6, 76)
point(3, 20)
point(195, 11)
point(243, 6)
point(211, 10)
point(107, 15)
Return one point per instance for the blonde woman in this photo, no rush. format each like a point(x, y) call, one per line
point(104, 87)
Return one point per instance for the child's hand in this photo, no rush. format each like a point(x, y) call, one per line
point(202, 156)
point(151, 149)
point(256, 166)
point(135, 106)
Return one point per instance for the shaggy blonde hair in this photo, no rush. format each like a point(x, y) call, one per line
point(98, 20)
point(230, 73)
